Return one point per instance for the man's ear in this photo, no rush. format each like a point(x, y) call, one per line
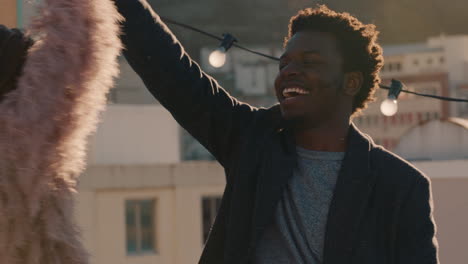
point(352, 83)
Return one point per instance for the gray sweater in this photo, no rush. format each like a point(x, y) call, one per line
point(296, 234)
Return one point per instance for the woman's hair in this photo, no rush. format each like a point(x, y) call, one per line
point(357, 41)
point(14, 46)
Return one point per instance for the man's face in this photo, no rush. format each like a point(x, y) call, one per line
point(308, 85)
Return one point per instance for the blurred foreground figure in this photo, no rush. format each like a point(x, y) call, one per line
point(51, 90)
point(304, 185)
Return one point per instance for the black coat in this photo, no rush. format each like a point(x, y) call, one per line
point(381, 208)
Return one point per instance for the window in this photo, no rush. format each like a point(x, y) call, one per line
point(427, 116)
point(385, 120)
point(251, 79)
point(428, 89)
point(393, 66)
point(398, 66)
point(401, 119)
point(390, 67)
point(192, 149)
point(410, 118)
point(210, 206)
point(139, 222)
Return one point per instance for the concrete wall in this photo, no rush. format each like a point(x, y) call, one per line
point(456, 54)
point(135, 134)
point(384, 128)
point(449, 188)
point(435, 140)
point(129, 88)
point(178, 191)
point(414, 63)
point(28, 11)
point(451, 215)
point(8, 13)
point(179, 188)
point(110, 236)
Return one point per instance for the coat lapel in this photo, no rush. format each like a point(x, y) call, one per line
point(353, 188)
point(280, 160)
point(354, 185)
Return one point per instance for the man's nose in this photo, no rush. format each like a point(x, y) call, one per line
point(290, 70)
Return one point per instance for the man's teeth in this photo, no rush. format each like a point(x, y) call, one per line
point(290, 92)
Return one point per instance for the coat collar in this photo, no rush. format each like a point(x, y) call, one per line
point(353, 188)
point(279, 160)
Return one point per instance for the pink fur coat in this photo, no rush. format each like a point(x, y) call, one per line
point(44, 125)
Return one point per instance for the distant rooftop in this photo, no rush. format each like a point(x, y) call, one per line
point(443, 139)
point(459, 121)
point(391, 50)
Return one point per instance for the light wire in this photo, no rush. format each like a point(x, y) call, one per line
point(429, 95)
point(170, 21)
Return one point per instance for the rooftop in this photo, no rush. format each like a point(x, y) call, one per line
point(391, 50)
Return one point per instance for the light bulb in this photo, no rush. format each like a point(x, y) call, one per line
point(389, 106)
point(218, 58)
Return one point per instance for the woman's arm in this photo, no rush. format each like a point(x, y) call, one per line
point(44, 124)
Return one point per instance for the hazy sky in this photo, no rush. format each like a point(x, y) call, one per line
point(400, 21)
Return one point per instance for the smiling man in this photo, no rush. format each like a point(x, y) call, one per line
point(314, 90)
point(303, 184)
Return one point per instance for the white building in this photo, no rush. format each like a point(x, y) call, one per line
point(437, 67)
point(134, 212)
point(439, 148)
point(439, 55)
point(137, 203)
point(141, 214)
point(436, 140)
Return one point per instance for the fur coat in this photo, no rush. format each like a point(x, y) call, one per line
point(44, 125)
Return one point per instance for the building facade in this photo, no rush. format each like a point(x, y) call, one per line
point(184, 197)
point(140, 203)
point(17, 13)
point(9, 13)
point(438, 66)
point(142, 214)
point(162, 212)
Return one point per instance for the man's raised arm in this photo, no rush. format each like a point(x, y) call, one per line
point(195, 99)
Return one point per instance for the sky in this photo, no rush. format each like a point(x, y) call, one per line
point(399, 21)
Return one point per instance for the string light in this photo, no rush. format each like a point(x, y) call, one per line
point(391, 104)
point(217, 58)
point(444, 98)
